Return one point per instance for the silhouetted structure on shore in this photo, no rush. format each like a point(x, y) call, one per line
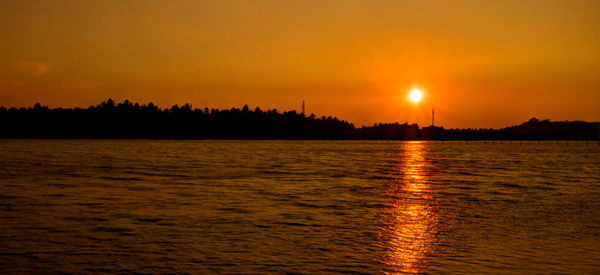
point(530, 130)
point(132, 120)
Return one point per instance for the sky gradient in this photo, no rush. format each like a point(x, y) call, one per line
point(481, 63)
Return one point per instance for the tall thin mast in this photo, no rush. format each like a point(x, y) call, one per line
point(303, 106)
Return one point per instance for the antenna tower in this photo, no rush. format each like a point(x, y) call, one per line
point(303, 106)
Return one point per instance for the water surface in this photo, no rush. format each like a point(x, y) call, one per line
point(299, 206)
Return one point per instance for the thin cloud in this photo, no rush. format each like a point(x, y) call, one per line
point(32, 68)
point(82, 85)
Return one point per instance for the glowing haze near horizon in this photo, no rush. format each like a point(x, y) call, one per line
point(479, 63)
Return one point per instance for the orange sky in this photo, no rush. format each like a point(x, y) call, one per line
point(481, 63)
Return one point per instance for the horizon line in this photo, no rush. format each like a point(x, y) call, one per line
point(299, 112)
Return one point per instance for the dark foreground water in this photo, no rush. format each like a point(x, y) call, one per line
point(299, 206)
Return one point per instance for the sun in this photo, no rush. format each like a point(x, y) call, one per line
point(415, 95)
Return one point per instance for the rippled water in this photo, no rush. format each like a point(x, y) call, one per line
point(299, 206)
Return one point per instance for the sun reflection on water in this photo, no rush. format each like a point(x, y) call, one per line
point(410, 223)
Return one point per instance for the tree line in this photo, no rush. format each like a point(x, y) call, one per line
point(127, 120)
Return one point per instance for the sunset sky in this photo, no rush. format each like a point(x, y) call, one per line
point(479, 63)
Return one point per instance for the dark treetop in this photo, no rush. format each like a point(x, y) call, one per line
point(132, 120)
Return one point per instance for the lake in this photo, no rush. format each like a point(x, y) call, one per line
point(153, 206)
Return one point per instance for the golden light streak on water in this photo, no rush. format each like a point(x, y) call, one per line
point(410, 223)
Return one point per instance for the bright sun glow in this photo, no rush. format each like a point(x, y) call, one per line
point(415, 95)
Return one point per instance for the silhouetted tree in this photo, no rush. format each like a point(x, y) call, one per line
point(132, 120)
